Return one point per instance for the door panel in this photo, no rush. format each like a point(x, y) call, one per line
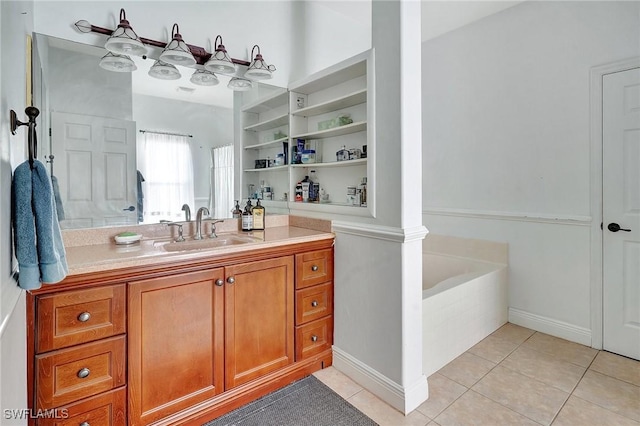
point(95, 163)
point(259, 315)
point(621, 206)
point(175, 343)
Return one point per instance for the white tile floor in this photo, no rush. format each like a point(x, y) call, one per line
point(516, 376)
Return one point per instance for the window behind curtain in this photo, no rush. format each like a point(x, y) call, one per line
point(167, 168)
point(222, 181)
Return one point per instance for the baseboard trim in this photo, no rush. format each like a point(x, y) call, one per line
point(512, 216)
point(402, 399)
point(378, 232)
point(550, 326)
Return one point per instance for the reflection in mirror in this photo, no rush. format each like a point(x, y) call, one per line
point(125, 148)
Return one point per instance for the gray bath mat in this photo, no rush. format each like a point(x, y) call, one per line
point(304, 402)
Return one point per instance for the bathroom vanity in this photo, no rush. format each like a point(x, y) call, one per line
point(151, 336)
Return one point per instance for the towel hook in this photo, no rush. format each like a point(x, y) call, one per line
point(32, 113)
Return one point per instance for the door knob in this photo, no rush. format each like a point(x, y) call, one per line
point(130, 208)
point(614, 227)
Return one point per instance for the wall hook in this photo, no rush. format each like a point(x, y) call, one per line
point(32, 113)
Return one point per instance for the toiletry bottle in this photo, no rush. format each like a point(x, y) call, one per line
point(363, 192)
point(258, 217)
point(298, 193)
point(314, 188)
point(306, 183)
point(237, 213)
point(247, 217)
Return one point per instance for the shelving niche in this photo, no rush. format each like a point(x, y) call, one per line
point(301, 114)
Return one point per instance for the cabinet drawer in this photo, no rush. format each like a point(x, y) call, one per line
point(313, 268)
point(80, 316)
point(106, 409)
point(314, 302)
point(314, 337)
point(68, 375)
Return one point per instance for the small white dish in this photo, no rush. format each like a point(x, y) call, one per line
point(129, 239)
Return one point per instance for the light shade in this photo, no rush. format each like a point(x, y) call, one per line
point(240, 84)
point(124, 40)
point(177, 52)
point(164, 71)
point(258, 69)
point(220, 60)
point(117, 63)
point(204, 78)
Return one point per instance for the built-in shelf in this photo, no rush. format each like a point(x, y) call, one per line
point(268, 169)
point(267, 104)
point(336, 131)
point(269, 124)
point(346, 163)
point(347, 101)
point(332, 207)
point(267, 144)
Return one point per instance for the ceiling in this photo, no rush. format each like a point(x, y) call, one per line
point(439, 17)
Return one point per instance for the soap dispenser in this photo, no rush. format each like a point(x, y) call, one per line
point(258, 217)
point(247, 217)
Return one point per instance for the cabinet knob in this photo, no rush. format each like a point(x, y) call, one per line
point(231, 280)
point(84, 424)
point(314, 338)
point(84, 317)
point(219, 282)
point(314, 303)
point(314, 268)
point(84, 373)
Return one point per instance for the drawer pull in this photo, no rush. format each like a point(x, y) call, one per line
point(84, 424)
point(219, 282)
point(314, 303)
point(84, 317)
point(84, 373)
point(314, 268)
point(231, 280)
point(314, 338)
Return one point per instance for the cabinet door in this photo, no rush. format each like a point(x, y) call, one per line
point(175, 343)
point(258, 319)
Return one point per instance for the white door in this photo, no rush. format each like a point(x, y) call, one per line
point(95, 164)
point(621, 212)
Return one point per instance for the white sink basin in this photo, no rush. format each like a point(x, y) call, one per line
point(205, 243)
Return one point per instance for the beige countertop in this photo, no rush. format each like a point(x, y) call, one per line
point(150, 251)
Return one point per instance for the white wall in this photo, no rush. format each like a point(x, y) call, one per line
point(210, 127)
point(16, 23)
point(506, 152)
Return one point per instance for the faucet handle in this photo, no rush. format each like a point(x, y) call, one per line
point(179, 225)
point(213, 226)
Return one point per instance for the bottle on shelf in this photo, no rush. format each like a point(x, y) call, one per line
point(363, 192)
point(237, 212)
point(314, 188)
point(247, 217)
point(258, 214)
point(306, 185)
point(298, 192)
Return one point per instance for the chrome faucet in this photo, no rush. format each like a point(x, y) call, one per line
point(213, 227)
point(187, 212)
point(199, 222)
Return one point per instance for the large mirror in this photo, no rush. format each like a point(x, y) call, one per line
point(127, 148)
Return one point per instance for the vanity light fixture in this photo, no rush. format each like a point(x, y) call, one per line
point(220, 60)
point(118, 63)
point(258, 69)
point(177, 52)
point(123, 40)
point(164, 71)
point(204, 78)
point(240, 84)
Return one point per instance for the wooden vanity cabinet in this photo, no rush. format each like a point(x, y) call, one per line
point(189, 332)
point(179, 343)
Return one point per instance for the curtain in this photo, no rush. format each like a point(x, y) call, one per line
point(221, 198)
point(166, 163)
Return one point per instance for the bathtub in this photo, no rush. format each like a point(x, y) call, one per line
point(464, 296)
